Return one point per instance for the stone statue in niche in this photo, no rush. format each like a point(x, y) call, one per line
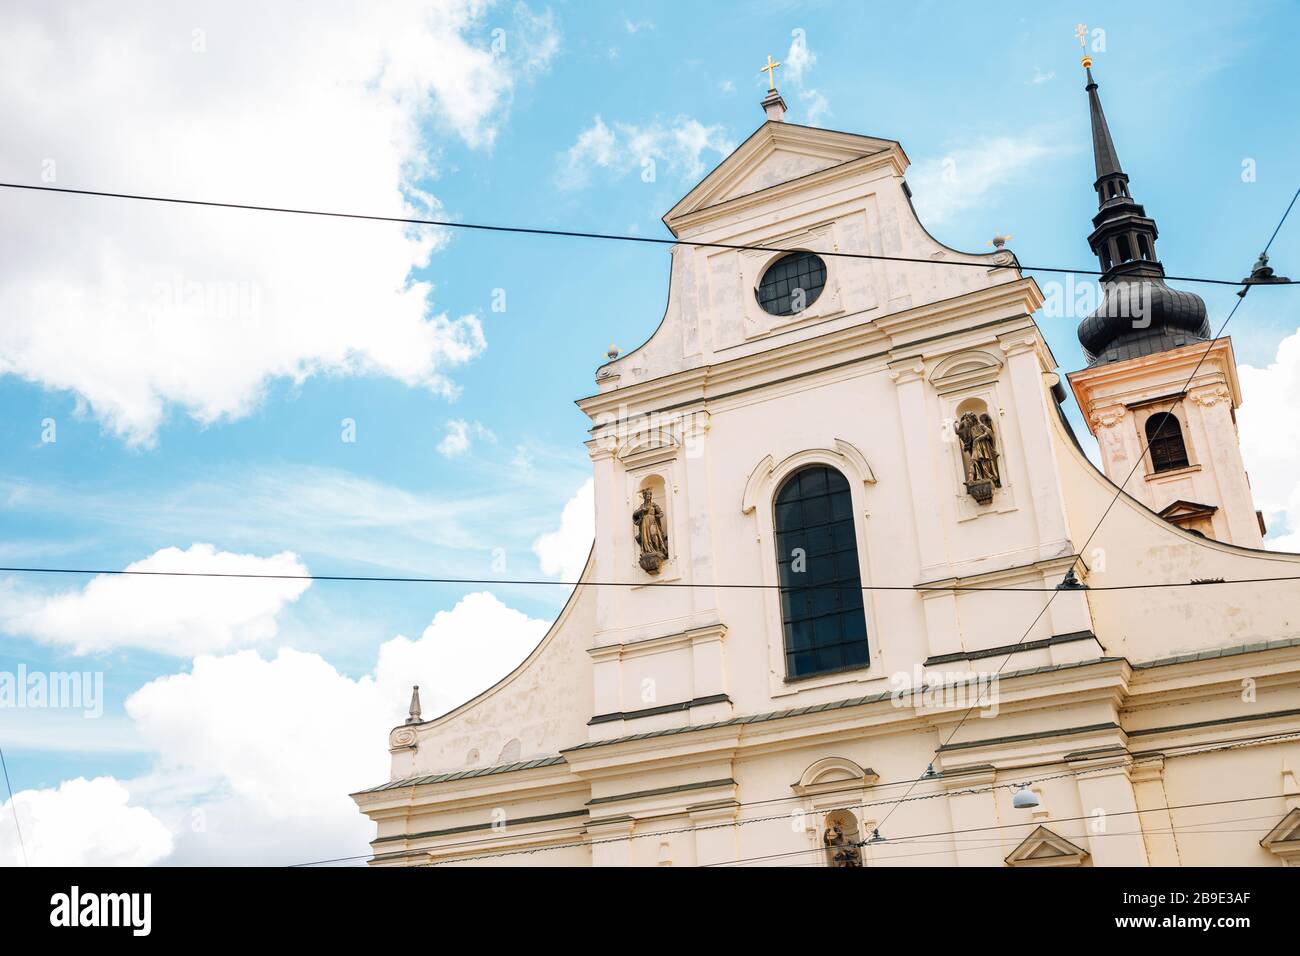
point(843, 853)
point(651, 536)
point(979, 454)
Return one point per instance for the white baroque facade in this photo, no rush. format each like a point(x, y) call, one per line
point(676, 719)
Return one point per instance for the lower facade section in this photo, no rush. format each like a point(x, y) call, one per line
point(1191, 762)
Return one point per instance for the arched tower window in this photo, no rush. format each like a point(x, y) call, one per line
point(821, 587)
point(1165, 437)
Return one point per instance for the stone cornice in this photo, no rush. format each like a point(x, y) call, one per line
point(1027, 574)
point(1127, 382)
point(880, 340)
point(631, 650)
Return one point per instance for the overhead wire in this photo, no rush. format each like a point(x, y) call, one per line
point(564, 233)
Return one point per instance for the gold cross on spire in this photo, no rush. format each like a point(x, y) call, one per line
point(771, 77)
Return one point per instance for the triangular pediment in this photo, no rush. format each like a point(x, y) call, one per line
point(1043, 847)
point(779, 153)
point(1284, 838)
point(1186, 509)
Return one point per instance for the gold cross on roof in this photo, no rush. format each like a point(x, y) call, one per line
point(771, 77)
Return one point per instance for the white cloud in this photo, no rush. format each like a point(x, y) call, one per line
point(1040, 77)
point(522, 461)
point(169, 615)
point(270, 779)
point(798, 63)
point(138, 309)
point(564, 552)
point(799, 58)
point(1270, 440)
point(634, 27)
point(301, 738)
point(460, 435)
point(462, 652)
point(82, 823)
point(255, 756)
point(679, 146)
point(965, 178)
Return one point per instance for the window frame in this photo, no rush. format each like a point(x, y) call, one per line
point(1163, 415)
point(831, 560)
point(810, 301)
point(758, 501)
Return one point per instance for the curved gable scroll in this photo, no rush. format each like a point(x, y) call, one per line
point(767, 473)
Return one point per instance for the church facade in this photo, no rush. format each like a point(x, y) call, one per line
point(857, 597)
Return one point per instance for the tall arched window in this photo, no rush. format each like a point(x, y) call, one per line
point(1165, 437)
point(821, 587)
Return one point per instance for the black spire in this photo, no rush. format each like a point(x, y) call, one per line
point(1139, 314)
point(1103, 147)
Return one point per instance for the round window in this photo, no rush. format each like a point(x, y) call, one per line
point(792, 283)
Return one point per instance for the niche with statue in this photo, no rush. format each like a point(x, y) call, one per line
point(650, 525)
point(977, 436)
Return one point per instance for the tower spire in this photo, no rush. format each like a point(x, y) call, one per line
point(1139, 314)
point(1103, 147)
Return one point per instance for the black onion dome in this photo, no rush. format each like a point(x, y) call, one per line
point(1140, 317)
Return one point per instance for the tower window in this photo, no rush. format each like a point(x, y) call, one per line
point(1125, 250)
point(792, 283)
point(1165, 437)
point(817, 562)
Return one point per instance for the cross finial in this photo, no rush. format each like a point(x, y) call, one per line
point(1081, 31)
point(771, 75)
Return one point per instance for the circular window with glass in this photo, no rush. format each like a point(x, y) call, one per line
point(791, 284)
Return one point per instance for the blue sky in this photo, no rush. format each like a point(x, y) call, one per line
point(550, 131)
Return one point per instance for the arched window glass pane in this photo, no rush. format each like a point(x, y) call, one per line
point(792, 283)
point(821, 587)
point(1165, 437)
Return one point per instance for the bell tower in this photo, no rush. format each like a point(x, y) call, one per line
point(1143, 344)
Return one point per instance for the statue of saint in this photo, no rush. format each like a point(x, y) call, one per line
point(843, 853)
point(651, 536)
point(981, 457)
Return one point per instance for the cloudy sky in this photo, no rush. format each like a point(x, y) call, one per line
point(189, 388)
